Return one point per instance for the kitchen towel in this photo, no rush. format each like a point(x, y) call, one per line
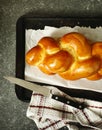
point(50, 114)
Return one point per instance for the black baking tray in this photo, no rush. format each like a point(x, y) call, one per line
point(30, 22)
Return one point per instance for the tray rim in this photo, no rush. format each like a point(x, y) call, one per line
point(19, 26)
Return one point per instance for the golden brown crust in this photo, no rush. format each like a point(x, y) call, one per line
point(95, 76)
point(35, 55)
point(44, 68)
point(58, 62)
point(72, 57)
point(82, 69)
point(97, 51)
point(77, 45)
point(49, 44)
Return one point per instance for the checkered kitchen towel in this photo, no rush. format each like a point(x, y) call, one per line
point(50, 114)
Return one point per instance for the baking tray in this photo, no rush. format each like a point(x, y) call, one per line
point(26, 22)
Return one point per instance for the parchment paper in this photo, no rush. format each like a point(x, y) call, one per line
point(32, 73)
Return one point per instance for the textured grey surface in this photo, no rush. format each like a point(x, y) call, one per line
point(13, 111)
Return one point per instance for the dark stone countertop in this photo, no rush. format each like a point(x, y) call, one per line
point(12, 110)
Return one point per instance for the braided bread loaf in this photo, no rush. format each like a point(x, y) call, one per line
point(72, 57)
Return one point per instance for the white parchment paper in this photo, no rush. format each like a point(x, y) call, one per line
point(32, 73)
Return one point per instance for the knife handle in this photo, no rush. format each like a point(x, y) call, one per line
point(70, 102)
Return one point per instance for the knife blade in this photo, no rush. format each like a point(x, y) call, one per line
point(48, 92)
point(31, 86)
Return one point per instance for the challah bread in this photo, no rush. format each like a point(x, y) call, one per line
point(97, 51)
point(72, 57)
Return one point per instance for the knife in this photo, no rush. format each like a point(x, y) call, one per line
point(47, 92)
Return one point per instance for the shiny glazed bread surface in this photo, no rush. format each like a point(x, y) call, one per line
point(71, 57)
